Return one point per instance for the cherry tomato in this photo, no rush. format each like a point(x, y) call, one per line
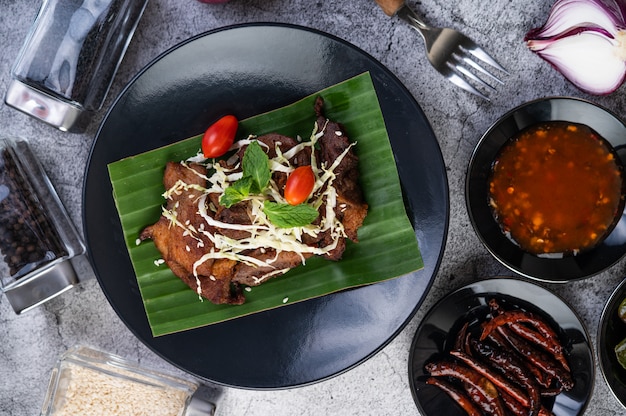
point(299, 185)
point(219, 136)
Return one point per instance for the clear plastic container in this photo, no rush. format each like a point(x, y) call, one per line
point(86, 381)
point(68, 61)
point(37, 238)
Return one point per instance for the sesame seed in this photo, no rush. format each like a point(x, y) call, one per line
point(115, 391)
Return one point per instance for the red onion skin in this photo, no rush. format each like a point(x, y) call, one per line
point(615, 10)
point(535, 34)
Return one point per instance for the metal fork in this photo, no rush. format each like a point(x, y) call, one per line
point(448, 50)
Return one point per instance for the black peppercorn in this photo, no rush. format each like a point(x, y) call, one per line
point(27, 239)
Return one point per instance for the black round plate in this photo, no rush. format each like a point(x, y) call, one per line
point(552, 269)
point(611, 332)
point(247, 70)
point(471, 303)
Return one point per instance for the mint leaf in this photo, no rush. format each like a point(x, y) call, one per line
point(256, 165)
point(288, 216)
point(236, 192)
point(256, 176)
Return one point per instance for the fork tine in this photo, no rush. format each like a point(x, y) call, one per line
point(459, 61)
point(480, 69)
point(455, 65)
point(458, 80)
point(473, 77)
point(479, 53)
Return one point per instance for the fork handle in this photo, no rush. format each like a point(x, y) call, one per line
point(390, 7)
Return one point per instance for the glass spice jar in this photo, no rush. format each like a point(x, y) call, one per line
point(37, 239)
point(71, 54)
point(88, 381)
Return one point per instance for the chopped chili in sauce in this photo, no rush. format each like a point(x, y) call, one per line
point(556, 187)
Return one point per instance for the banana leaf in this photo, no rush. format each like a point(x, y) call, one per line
point(387, 246)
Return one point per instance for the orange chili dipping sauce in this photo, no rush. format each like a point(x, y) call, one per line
point(556, 187)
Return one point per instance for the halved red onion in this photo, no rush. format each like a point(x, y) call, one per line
point(585, 40)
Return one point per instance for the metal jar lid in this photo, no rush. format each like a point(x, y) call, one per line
point(42, 286)
point(63, 115)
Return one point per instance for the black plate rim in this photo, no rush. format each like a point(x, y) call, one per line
point(609, 315)
point(551, 272)
point(446, 211)
point(493, 281)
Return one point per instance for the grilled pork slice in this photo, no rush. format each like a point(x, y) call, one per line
point(193, 219)
point(351, 208)
point(181, 248)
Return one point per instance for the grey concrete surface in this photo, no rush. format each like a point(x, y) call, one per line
point(31, 343)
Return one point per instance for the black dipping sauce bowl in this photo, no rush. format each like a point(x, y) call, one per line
point(546, 268)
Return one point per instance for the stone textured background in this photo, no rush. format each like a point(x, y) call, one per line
point(31, 343)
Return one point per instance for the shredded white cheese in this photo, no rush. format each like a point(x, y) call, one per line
point(199, 288)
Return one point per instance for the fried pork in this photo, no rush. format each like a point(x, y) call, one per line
point(185, 238)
